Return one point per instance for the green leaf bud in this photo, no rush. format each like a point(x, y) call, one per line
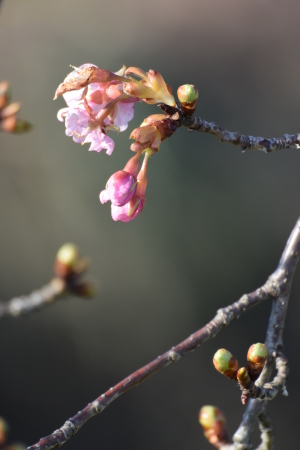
point(187, 93)
point(256, 357)
point(226, 363)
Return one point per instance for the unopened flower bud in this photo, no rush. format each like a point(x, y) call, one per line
point(5, 93)
point(188, 97)
point(159, 85)
point(146, 136)
point(133, 208)
point(214, 425)
point(66, 260)
point(120, 188)
point(226, 363)
point(151, 89)
point(243, 378)
point(4, 429)
point(256, 357)
point(10, 110)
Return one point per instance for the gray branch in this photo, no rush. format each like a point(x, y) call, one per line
point(267, 145)
point(277, 287)
point(269, 390)
point(267, 433)
point(26, 304)
point(282, 277)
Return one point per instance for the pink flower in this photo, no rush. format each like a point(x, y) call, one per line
point(120, 188)
point(95, 109)
point(129, 211)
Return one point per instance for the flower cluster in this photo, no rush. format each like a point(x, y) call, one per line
point(100, 101)
point(96, 104)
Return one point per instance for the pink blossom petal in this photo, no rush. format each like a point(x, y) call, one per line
point(124, 115)
point(104, 196)
point(99, 140)
point(62, 114)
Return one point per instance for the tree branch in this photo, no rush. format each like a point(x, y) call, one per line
point(283, 277)
point(267, 145)
point(269, 390)
point(24, 305)
point(277, 287)
point(267, 433)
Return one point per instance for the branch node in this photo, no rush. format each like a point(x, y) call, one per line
point(173, 356)
point(273, 288)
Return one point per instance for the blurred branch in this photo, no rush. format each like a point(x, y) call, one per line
point(267, 433)
point(24, 305)
point(277, 287)
point(69, 269)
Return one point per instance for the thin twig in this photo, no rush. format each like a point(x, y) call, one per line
point(267, 145)
point(179, 118)
point(20, 306)
point(271, 289)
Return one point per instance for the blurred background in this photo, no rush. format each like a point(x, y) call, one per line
point(214, 226)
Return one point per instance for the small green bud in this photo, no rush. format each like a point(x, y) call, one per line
point(256, 357)
point(209, 415)
point(243, 378)
point(68, 254)
point(187, 93)
point(226, 363)
point(214, 425)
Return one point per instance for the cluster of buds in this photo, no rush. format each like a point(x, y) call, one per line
point(9, 121)
point(214, 425)
point(227, 365)
point(100, 101)
point(70, 267)
point(126, 189)
point(4, 430)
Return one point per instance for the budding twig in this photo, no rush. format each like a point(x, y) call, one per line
point(283, 276)
point(269, 390)
point(26, 304)
point(69, 270)
point(276, 286)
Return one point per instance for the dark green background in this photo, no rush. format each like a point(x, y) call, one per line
point(215, 222)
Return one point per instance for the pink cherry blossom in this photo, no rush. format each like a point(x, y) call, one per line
point(95, 110)
point(120, 188)
point(129, 211)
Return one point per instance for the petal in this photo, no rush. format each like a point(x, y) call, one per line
point(124, 115)
point(104, 196)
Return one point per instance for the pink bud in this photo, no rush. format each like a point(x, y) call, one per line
point(120, 188)
point(129, 211)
